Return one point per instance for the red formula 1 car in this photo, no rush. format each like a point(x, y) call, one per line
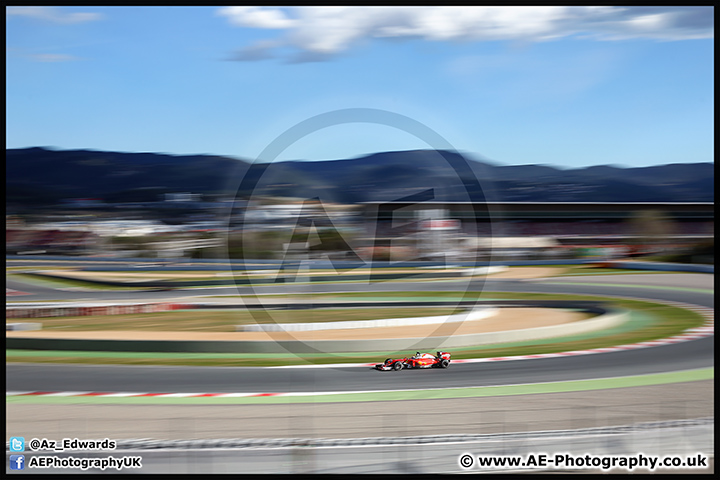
point(419, 360)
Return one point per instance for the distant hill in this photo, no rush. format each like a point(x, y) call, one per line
point(41, 176)
point(112, 176)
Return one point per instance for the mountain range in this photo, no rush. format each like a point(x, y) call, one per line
point(45, 176)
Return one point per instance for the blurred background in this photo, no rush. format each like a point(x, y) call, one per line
point(354, 209)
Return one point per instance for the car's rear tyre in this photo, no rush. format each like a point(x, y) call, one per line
point(444, 363)
point(397, 366)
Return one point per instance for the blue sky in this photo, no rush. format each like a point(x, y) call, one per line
point(562, 86)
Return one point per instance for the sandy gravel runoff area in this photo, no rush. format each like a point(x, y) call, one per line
point(529, 272)
point(505, 319)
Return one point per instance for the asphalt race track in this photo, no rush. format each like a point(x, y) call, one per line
point(682, 356)
point(375, 433)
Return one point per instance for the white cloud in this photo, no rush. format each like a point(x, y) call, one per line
point(53, 14)
point(319, 31)
point(44, 57)
point(52, 57)
point(256, 17)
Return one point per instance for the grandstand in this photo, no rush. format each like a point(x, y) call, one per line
point(537, 229)
point(51, 241)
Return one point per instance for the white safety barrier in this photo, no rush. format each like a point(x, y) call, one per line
point(22, 326)
point(485, 270)
point(476, 314)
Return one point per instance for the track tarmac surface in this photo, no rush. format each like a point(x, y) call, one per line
point(617, 406)
point(681, 356)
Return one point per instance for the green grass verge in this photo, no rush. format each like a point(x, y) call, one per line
point(589, 270)
point(268, 279)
